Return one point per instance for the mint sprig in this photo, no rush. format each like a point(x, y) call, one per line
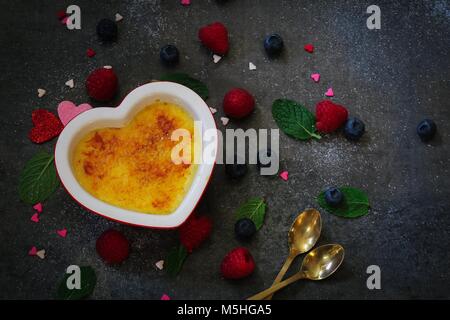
point(175, 260)
point(38, 179)
point(294, 119)
point(255, 210)
point(355, 203)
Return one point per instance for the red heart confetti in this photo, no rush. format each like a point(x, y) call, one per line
point(309, 48)
point(35, 217)
point(38, 207)
point(62, 233)
point(46, 126)
point(32, 251)
point(90, 52)
point(61, 14)
point(185, 2)
point(284, 175)
point(165, 297)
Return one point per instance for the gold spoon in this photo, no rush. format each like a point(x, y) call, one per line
point(319, 264)
point(303, 235)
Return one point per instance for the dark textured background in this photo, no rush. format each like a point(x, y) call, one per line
point(391, 78)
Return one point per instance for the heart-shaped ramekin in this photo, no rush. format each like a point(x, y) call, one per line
point(135, 101)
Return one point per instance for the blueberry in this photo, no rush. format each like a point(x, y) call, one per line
point(244, 229)
point(426, 129)
point(169, 55)
point(333, 196)
point(354, 129)
point(235, 170)
point(107, 30)
point(273, 44)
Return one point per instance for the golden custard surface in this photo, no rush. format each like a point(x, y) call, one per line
point(131, 167)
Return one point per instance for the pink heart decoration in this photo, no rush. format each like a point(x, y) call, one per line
point(284, 175)
point(315, 77)
point(67, 110)
point(185, 2)
point(62, 233)
point(38, 207)
point(329, 92)
point(32, 251)
point(165, 297)
point(35, 217)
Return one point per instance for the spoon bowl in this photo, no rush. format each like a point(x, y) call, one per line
point(305, 231)
point(322, 262)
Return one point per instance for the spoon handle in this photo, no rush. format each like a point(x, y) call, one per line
point(282, 272)
point(275, 288)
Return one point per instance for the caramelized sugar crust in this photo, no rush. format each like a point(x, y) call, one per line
point(131, 167)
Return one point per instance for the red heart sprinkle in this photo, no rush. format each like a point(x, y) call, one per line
point(46, 126)
point(309, 48)
point(32, 251)
point(61, 14)
point(90, 53)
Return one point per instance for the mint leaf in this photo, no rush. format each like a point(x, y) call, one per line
point(255, 210)
point(88, 281)
point(354, 204)
point(294, 119)
point(38, 179)
point(175, 260)
point(182, 78)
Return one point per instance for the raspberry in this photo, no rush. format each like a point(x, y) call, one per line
point(237, 264)
point(214, 36)
point(113, 247)
point(330, 116)
point(102, 84)
point(194, 231)
point(238, 103)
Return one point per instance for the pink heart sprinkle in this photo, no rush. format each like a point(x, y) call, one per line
point(32, 251)
point(185, 2)
point(38, 207)
point(35, 217)
point(329, 92)
point(165, 297)
point(284, 175)
point(62, 233)
point(315, 77)
point(67, 110)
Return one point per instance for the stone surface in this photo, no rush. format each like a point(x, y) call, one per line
point(391, 78)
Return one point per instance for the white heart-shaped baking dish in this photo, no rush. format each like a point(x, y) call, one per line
point(135, 101)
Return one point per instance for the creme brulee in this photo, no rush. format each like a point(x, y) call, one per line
point(131, 167)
